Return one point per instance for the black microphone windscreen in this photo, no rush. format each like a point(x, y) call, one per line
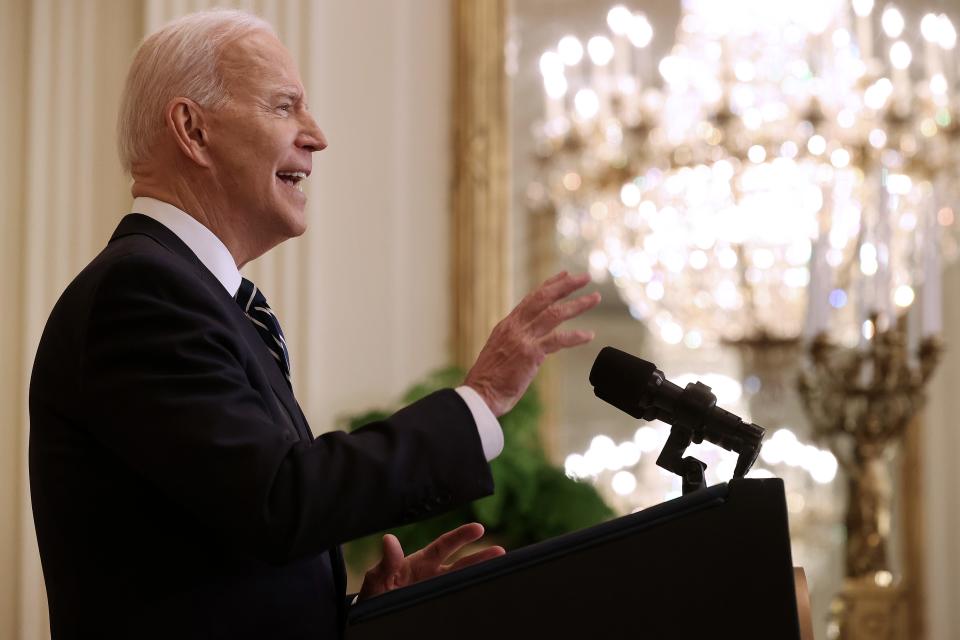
point(620, 378)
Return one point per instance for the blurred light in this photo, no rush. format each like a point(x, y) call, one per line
point(641, 32)
point(575, 466)
point(671, 333)
point(903, 296)
point(757, 154)
point(551, 64)
point(763, 258)
point(571, 181)
point(598, 260)
point(862, 7)
point(838, 298)
point(647, 438)
point(930, 28)
point(555, 86)
point(841, 38)
point(600, 50)
point(586, 103)
point(570, 50)
point(619, 19)
point(938, 84)
point(629, 454)
point(744, 71)
point(883, 578)
point(900, 55)
point(824, 467)
point(945, 216)
point(846, 118)
point(797, 277)
point(727, 258)
point(899, 184)
point(840, 158)
point(693, 339)
point(630, 194)
point(655, 290)
point(624, 483)
point(948, 35)
point(876, 94)
point(816, 145)
point(878, 138)
point(892, 22)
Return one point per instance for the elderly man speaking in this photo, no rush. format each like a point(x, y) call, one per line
point(178, 491)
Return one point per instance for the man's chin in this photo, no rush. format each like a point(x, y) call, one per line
point(295, 223)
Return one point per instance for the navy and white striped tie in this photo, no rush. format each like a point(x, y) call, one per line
point(255, 306)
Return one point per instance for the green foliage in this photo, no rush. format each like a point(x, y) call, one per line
point(534, 500)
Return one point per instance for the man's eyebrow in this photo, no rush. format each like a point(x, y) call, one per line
point(287, 92)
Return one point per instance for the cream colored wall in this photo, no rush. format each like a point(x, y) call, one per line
point(364, 296)
point(941, 476)
point(12, 83)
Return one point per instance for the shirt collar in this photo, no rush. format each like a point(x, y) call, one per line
point(204, 243)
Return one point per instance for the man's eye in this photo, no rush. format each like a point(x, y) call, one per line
point(284, 107)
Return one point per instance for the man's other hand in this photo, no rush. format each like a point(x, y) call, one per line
point(519, 343)
point(395, 570)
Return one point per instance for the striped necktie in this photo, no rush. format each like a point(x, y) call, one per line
point(255, 307)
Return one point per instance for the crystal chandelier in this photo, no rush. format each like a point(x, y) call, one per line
point(791, 169)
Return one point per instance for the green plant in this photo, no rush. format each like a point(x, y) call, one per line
point(533, 500)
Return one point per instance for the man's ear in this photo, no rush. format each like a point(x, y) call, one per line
point(184, 118)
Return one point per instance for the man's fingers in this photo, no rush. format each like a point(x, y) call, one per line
point(563, 339)
point(392, 555)
point(554, 278)
point(551, 291)
point(554, 315)
point(480, 556)
point(452, 541)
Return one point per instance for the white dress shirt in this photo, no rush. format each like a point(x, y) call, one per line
point(217, 259)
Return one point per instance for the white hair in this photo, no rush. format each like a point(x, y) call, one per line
point(181, 59)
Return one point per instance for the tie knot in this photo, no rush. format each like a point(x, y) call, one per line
point(264, 320)
point(249, 295)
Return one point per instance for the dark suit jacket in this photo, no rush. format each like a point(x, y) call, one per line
point(177, 489)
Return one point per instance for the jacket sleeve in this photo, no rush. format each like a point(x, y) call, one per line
point(167, 385)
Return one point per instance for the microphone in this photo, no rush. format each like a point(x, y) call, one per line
point(638, 388)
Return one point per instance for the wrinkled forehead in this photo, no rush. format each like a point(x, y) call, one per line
point(257, 63)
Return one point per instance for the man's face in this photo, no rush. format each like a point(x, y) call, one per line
point(261, 141)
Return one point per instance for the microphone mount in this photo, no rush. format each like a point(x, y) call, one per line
point(640, 389)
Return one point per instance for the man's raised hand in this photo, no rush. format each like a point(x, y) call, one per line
point(519, 343)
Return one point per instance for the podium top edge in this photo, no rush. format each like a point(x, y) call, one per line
point(548, 549)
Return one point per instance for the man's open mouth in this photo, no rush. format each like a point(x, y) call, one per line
point(292, 178)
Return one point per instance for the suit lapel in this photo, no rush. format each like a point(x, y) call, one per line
point(139, 224)
point(281, 390)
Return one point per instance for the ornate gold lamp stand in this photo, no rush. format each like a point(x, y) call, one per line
point(860, 402)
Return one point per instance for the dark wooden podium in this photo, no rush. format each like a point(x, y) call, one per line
point(712, 564)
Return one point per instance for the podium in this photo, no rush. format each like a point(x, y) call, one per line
point(714, 563)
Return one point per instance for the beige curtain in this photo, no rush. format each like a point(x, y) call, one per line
point(364, 296)
point(62, 190)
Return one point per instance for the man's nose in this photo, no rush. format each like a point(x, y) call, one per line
point(311, 137)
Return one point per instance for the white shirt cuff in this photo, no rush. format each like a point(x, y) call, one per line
point(491, 435)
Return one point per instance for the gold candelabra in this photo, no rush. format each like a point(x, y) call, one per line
point(860, 402)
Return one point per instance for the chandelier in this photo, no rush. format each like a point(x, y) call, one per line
point(788, 168)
